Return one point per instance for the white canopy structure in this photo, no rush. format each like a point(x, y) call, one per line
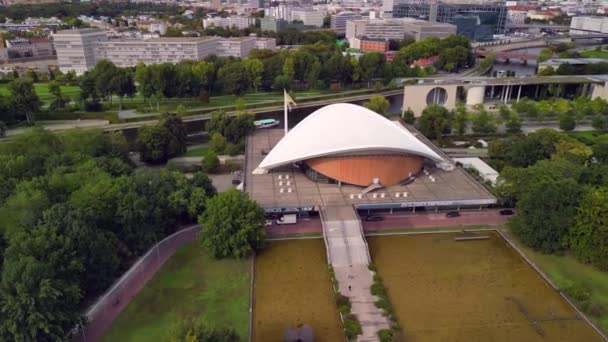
point(340, 129)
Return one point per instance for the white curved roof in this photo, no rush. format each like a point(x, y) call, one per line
point(343, 128)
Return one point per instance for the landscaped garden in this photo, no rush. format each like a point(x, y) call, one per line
point(292, 288)
point(191, 285)
point(479, 290)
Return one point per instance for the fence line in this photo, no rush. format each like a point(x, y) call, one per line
point(100, 315)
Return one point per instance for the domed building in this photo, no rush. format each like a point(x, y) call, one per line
point(350, 144)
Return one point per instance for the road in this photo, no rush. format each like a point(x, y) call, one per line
point(489, 217)
point(105, 125)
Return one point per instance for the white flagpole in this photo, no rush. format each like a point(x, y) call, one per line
point(285, 105)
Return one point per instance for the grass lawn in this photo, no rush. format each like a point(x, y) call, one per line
point(197, 152)
point(590, 137)
point(566, 271)
point(292, 287)
point(594, 54)
point(190, 285)
point(478, 290)
point(42, 89)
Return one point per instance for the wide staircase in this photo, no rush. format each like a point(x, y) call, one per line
point(349, 256)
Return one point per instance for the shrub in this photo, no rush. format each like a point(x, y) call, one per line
point(579, 294)
point(385, 335)
point(218, 143)
point(352, 327)
point(210, 162)
point(233, 149)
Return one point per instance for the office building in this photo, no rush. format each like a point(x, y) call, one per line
point(516, 17)
point(266, 43)
point(76, 49)
point(308, 17)
point(397, 29)
point(491, 16)
point(371, 45)
point(236, 46)
point(127, 53)
point(240, 22)
point(585, 25)
point(338, 21)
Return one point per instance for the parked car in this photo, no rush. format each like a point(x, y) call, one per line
point(268, 223)
point(506, 212)
point(372, 218)
point(452, 214)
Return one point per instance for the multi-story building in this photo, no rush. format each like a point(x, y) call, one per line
point(76, 49)
point(75, 55)
point(373, 45)
point(282, 11)
point(338, 21)
point(266, 43)
point(308, 17)
point(240, 22)
point(585, 25)
point(26, 2)
point(397, 29)
point(127, 53)
point(492, 15)
point(236, 46)
point(516, 17)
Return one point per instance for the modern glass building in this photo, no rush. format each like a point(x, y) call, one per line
point(476, 21)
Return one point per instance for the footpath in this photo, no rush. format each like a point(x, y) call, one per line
point(349, 257)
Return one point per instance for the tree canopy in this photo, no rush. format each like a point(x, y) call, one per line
point(232, 225)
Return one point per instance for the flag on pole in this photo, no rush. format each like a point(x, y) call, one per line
point(287, 103)
point(288, 100)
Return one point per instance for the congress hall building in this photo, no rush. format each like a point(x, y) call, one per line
point(345, 154)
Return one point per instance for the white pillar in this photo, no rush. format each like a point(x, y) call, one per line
point(519, 93)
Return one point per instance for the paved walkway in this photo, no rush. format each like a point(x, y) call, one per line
point(349, 256)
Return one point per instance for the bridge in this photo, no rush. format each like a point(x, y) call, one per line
point(506, 55)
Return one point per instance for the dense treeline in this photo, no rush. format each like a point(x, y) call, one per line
point(75, 9)
point(559, 186)
point(569, 69)
point(436, 121)
point(73, 216)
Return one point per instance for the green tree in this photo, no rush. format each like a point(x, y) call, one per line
point(24, 99)
point(600, 151)
point(3, 129)
point(162, 141)
point(217, 143)
point(210, 162)
point(378, 104)
point(599, 122)
point(58, 101)
point(409, 117)
point(588, 234)
point(232, 225)
point(461, 119)
point(39, 290)
point(567, 122)
point(513, 123)
point(483, 122)
point(545, 54)
point(545, 212)
point(233, 77)
point(371, 65)
point(435, 121)
point(124, 85)
point(288, 71)
point(254, 68)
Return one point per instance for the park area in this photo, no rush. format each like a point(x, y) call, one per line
point(190, 285)
point(293, 287)
point(476, 290)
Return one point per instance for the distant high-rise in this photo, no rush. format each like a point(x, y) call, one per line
point(491, 16)
point(217, 4)
point(338, 21)
point(76, 49)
